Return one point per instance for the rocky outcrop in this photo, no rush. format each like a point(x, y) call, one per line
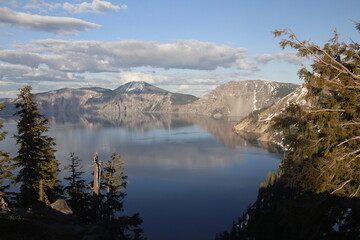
point(3, 204)
point(256, 126)
point(238, 99)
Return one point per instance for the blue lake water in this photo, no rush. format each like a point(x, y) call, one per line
point(189, 177)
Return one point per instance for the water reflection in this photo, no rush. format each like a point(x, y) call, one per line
point(189, 176)
point(221, 129)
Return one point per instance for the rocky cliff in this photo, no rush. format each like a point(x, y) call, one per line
point(256, 125)
point(238, 99)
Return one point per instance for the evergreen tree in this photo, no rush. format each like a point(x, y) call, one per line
point(36, 160)
point(75, 189)
point(5, 166)
point(114, 183)
point(323, 141)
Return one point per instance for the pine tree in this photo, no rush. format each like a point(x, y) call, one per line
point(36, 160)
point(114, 183)
point(5, 166)
point(323, 141)
point(75, 189)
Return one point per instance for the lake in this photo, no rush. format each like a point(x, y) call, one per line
point(190, 177)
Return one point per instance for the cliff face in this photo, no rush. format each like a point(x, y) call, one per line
point(238, 99)
point(256, 125)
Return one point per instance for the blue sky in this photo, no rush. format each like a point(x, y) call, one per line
point(182, 46)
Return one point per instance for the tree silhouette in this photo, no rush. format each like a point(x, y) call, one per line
point(36, 160)
point(77, 196)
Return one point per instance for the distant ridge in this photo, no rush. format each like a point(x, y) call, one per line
point(131, 97)
point(231, 100)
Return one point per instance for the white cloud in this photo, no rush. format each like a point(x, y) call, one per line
point(56, 25)
point(94, 6)
point(98, 56)
point(289, 57)
point(24, 74)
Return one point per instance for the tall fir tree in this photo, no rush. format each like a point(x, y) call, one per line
point(5, 164)
point(36, 159)
point(323, 140)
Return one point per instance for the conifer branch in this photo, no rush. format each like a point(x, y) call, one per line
point(356, 192)
point(349, 124)
point(350, 153)
point(349, 140)
point(339, 63)
point(342, 185)
point(321, 60)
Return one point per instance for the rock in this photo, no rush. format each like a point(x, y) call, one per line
point(218, 116)
point(61, 206)
point(3, 205)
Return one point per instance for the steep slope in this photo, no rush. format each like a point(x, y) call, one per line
point(256, 125)
point(238, 99)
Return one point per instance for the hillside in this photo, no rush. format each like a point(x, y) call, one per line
point(132, 97)
point(256, 125)
point(238, 99)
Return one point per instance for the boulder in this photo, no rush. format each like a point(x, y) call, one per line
point(61, 206)
point(3, 204)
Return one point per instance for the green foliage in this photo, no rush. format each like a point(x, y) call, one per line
point(114, 182)
point(182, 99)
point(271, 180)
point(77, 196)
point(35, 158)
point(5, 167)
point(322, 141)
point(284, 90)
point(277, 214)
point(254, 115)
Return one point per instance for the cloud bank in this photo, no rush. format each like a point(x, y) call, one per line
point(56, 25)
point(99, 56)
point(289, 57)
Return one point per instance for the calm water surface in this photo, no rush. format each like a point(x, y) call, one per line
point(189, 177)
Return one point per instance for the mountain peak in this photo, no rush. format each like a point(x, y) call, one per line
point(139, 87)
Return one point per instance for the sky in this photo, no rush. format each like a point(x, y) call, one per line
point(188, 46)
